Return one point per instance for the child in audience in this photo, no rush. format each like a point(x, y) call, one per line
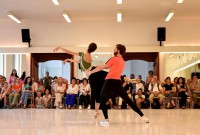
point(39, 101)
point(47, 99)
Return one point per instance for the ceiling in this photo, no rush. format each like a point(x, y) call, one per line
point(95, 21)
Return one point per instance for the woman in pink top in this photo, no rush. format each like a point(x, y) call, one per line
point(12, 76)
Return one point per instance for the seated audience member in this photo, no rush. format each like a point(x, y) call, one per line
point(85, 94)
point(13, 76)
point(4, 92)
point(53, 86)
point(27, 91)
point(182, 92)
point(1, 82)
point(40, 87)
point(140, 99)
point(15, 93)
point(195, 89)
point(156, 91)
point(169, 90)
point(35, 84)
point(4, 79)
point(139, 85)
point(47, 99)
point(175, 86)
point(39, 103)
point(133, 85)
point(72, 93)
point(23, 77)
point(150, 75)
point(140, 77)
point(59, 93)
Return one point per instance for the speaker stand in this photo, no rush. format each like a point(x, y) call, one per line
point(161, 43)
point(29, 43)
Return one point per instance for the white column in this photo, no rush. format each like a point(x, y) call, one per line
point(162, 66)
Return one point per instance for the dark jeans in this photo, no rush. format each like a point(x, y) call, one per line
point(183, 99)
point(84, 100)
point(111, 86)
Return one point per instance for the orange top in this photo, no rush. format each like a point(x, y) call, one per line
point(116, 65)
point(17, 87)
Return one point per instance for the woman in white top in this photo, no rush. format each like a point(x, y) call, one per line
point(72, 93)
point(84, 94)
point(59, 92)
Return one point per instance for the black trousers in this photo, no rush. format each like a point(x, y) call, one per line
point(96, 81)
point(111, 86)
point(85, 100)
point(183, 99)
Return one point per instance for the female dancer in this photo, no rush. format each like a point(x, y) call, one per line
point(96, 80)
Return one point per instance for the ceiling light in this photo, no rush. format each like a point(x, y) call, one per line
point(119, 1)
point(66, 16)
point(119, 16)
point(171, 13)
point(180, 1)
point(16, 19)
point(55, 2)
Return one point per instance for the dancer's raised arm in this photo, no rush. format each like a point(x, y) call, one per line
point(70, 60)
point(65, 50)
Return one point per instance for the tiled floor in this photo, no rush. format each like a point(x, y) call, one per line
point(80, 122)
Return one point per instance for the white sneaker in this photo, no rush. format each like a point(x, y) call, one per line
point(80, 107)
point(88, 107)
point(104, 123)
point(145, 120)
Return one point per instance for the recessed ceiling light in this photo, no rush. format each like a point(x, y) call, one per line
point(180, 1)
point(119, 16)
point(169, 16)
point(66, 16)
point(55, 2)
point(15, 18)
point(119, 1)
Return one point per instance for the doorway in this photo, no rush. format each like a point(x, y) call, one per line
point(37, 58)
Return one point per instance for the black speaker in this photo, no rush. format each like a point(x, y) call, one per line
point(25, 35)
point(161, 34)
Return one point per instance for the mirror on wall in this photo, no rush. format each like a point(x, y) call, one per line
point(181, 64)
point(8, 62)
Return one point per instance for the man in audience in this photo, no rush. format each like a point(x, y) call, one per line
point(133, 86)
point(47, 81)
point(140, 77)
point(140, 98)
point(156, 91)
point(195, 89)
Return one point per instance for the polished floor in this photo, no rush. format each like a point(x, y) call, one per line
point(80, 122)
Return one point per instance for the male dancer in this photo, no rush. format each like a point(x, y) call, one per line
point(112, 82)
